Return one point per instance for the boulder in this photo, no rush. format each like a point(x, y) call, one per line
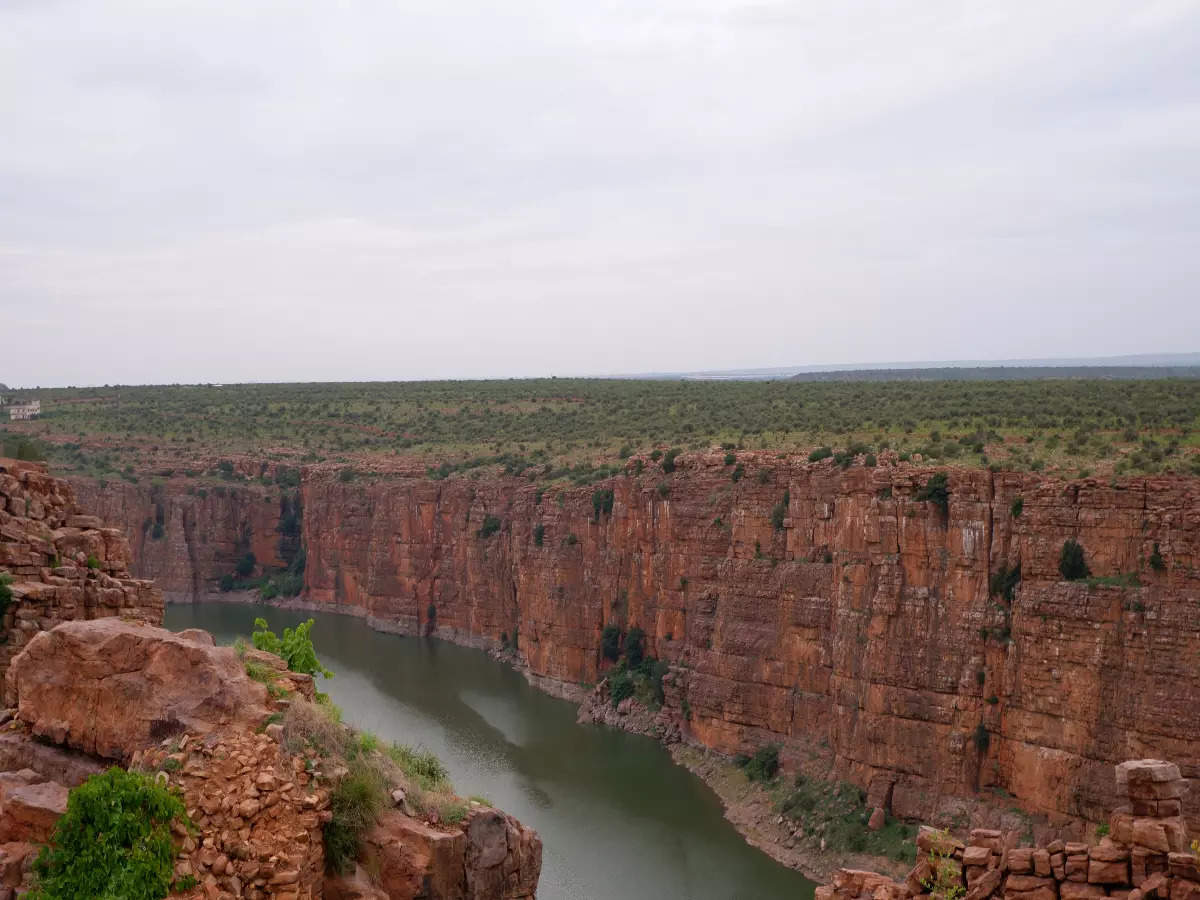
point(197, 636)
point(110, 687)
point(29, 811)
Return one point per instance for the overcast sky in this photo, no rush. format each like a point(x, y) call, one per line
point(226, 190)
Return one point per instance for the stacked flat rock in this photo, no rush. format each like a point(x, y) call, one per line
point(60, 565)
point(1145, 855)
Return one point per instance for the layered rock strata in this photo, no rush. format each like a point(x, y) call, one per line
point(935, 650)
point(60, 564)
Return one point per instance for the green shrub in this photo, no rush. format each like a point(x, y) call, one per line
point(245, 564)
point(763, 765)
point(668, 461)
point(937, 492)
point(738, 471)
point(602, 502)
point(820, 453)
point(93, 563)
point(779, 511)
point(226, 583)
point(635, 646)
point(6, 594)
point(113, 843)
point(1071, 562)
point(539, 534)
point(354, 804)
point(620, 686)
point(1157, 563)
point(491, 524)
point(1005, 582)
point(296, 647)
point(422, 766)
point(610, 642)
point(1017, 507)
point(730, 459)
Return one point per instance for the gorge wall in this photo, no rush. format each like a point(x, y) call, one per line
point(862, 626)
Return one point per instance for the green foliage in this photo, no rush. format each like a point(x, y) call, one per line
point(820, 453)
point(937, 492)
point(1071, 562)
point(635, 646)
point(1017, 507)
point(1102, 831)
point(296, 647)
point(763, 765)
point(92, 562)
point(983, 738)
point(539, 534)
point(838, 812)
point(730, 459)
point(602, 502)
point(6, 594)
point(355, 804)
point(1157, 563)
point(610, 642)
point(113, 843)
point(422, 766)
point(491, 524)
point(245, 564)
point(779, 511)
point(620, 686)
point(668, 461)
point(1005, 582)
point(945, 879)
point(737, 474)
point(226, 583)
point(19, 446)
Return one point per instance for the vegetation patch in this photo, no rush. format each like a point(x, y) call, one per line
point(1071, 561)
point(113, 842)
point(837, 812)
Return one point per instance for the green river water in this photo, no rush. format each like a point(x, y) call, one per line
point(618, 819)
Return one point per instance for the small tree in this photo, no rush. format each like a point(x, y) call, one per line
point(610, 642)
point(668, 461)
point(296, 647)
point(635, 646)
point(937, 492)
point(1071, 561)
point(602, 502)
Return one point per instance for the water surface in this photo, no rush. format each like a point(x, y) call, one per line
point(618, 819)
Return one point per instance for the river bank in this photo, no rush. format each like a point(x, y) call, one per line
point(748, 807)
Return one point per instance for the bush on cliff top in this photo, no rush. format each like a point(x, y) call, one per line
point(937, 492)
point(113, 843)
point(296, 647)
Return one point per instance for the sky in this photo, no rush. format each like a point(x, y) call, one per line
point(285, 190)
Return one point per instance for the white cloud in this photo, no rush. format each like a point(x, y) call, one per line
point(282, 190)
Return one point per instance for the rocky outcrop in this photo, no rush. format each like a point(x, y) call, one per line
point(812, 605)
point(111, 687)
point(183, 709)
point(1144, 855)
point(61, 565)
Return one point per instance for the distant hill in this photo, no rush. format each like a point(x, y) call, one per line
point(1001, 373)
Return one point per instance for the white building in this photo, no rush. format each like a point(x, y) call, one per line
point(29, 409)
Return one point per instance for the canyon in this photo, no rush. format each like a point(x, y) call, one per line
point(932, 652)
point(256, 759)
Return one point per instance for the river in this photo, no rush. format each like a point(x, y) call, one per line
point(618, 819)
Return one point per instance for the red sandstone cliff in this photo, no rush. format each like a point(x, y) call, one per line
point(858, 623)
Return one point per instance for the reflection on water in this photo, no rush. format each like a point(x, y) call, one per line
point(617, 818)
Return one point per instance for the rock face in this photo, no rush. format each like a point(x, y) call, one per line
point(803, 604)
point(110, 687)
point(63, 565)
point(1143, 856)
point(186, 711)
